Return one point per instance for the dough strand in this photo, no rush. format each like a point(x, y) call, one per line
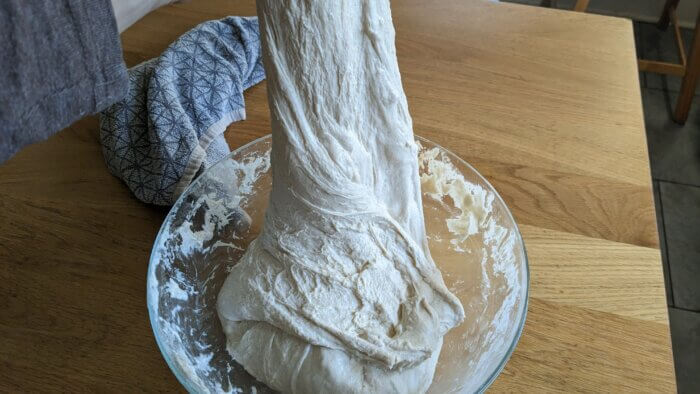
point(339, 292)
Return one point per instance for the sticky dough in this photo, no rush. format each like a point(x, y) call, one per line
point(339, 292)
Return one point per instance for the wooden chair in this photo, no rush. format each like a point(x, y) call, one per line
point(688, 68)
point(580, 5)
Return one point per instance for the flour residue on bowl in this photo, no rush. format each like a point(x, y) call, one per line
point(175, 291)
point(200, 238)
point(440, 179)
point(473, 206)
point(472, 229)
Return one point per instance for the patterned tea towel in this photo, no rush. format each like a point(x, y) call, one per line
point(170, 125)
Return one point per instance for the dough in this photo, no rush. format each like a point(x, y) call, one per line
point(339, 292)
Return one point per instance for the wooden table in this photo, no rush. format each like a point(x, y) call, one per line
point(544, 103)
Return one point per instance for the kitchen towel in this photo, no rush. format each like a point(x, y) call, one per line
point(170, 125)
point(59, 61)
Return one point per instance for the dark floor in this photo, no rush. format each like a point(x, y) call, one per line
point(674, 152)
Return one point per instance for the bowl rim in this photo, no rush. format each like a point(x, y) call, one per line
point(153, 314)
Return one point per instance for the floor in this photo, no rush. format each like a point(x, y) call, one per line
point(674, 153)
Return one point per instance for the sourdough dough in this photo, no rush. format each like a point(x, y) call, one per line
point(339, 292)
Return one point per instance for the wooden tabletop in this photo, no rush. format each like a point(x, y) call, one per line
point(545, 103)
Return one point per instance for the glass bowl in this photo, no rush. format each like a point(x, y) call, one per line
point(474, 241)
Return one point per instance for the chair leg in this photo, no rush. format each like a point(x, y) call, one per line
point(666, 15)
point(581, 5)
point(690, 80)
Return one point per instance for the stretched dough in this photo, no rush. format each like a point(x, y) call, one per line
point(339, 292)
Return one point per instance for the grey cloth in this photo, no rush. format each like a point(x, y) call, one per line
point(59, 61)
point(170, 125)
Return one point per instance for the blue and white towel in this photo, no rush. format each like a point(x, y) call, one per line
point(170, 126)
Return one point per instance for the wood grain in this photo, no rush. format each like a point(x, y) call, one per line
point(545, 103)
point(573, 349)
point(597, 274)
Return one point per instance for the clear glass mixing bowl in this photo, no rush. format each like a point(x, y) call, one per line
point(483, 262)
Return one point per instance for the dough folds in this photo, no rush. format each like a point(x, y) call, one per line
point(339, 292)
